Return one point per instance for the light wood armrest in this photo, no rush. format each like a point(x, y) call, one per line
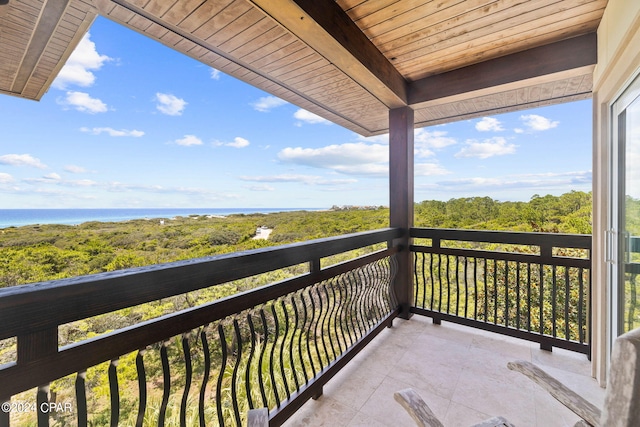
point(580, 406)
point(417, 408)
point(258, 417)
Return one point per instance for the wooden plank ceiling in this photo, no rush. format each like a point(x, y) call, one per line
point(349, 61)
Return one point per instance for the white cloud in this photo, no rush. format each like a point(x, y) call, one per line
point(429, 169)
point(5, 178)
point(52, 177)
point(262, 187)
point(352, 158)
point(113, 132)
point(78, 69)
point(538, 123)
point(238, 142)
point(215, 74)
point(305, 116)
point(267, 103)
point(489, 124)
point(81, 101)
point(169, 104)
point(496, 146)
point(426, 141)
point(75, 169)
point(298, 178)
point(542, 181)
point(188, 141)
point(21, 160)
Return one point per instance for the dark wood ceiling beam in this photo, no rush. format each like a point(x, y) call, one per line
point(559, 57)
point(327, 29)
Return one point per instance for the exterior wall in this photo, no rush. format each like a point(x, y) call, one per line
point(618, 63)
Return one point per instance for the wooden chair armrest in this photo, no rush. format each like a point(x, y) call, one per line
point(580, 406)
point(258, 417)
point(417, 408)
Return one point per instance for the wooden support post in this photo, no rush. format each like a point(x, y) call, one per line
point(401, 199)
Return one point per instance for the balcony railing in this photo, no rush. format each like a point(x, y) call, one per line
point(534, 286)
point(277, 345)
point(274, 346)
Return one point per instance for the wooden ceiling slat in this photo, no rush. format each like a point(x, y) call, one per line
point(358, 10)
point(454, 58)
point(301, 57)
point(408, 11)
point(273, 47)
point(140, 22)
point(238, 26)
point(222, 19)
point(471, 39)
point(307, 66)
point(446, 23)
point(248, 35)
point(158, 7)
point(121, 14)
point(180, 10)
point(202, 14)
point(259, 43)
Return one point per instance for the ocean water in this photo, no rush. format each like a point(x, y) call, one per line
point(21, 217)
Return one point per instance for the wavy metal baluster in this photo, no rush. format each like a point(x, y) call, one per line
point(186, 351)
point(301, 334)
point(341, 316)
point(365, 279)
point(355, 316)
point(506, 293)
point(475, 288)
point(360, 291)
point(223, 367)
point(114, 392)
point(529, 296)
point(448, 286)
point(313, 326)
point(234, 376)
point(439, 271)
point(554, 300)
point(265, 330)
point(308, 340)
point(326, 329)
point(42, 399)
point(294, 369)
point(272, 364)
point(433, 283)
point(81, 398)
point(567, 331)
point(581, 331)
point(142, 387)
point(377, 287)
point(166, 383)
point(282, 352)
point(205, 375)
point(346, 311)
point(518, 295)
point(335, 316)
point(247, 380)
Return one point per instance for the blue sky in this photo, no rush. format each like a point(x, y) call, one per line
point(131, 123)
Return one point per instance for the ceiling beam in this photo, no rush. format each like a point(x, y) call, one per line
point(326, 28)
point(559, 57)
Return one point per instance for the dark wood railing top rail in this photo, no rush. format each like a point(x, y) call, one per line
point(546, 240)
point(79, 356)
point(41, 306)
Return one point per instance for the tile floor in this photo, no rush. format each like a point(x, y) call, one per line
point(460, 372)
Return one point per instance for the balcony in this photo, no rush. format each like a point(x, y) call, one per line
point(279, 345)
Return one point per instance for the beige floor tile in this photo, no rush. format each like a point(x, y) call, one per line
point(460, 372)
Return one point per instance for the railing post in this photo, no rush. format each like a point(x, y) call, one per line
point(401, 199)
